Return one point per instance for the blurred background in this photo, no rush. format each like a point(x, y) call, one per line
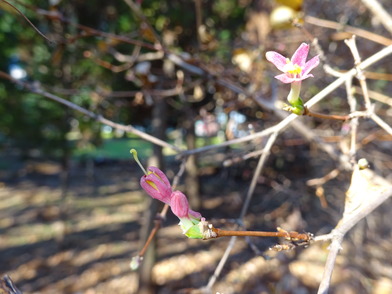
point(192, 73)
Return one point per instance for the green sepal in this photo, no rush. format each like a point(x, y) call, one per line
point(194, 232)
point(297, 107)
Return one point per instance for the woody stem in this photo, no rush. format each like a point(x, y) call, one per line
point(158, 223)
point(325, 116)
point(283, 234)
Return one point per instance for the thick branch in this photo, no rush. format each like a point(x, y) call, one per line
point(374, 200)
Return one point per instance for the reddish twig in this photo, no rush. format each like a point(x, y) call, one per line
point(158, 223)
point(308, 112)
point(291, 236)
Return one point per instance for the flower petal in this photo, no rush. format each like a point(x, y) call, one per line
point(156, 188)
point(159, 173)
point(276, 59)
point(300, 55)
point(311, 64)
point(284, 78)
point(304, 77)
point(195, 214)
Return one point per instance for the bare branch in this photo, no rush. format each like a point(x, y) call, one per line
point(353, 30)
point(30, 23)
point(376, 96)
point(381, 123)
point(99, 118)
point(382, 15)
point(373, 200)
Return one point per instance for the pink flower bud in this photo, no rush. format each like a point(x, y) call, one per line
point(156, 184)
point(179, 204)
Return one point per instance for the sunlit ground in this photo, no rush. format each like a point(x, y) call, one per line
point(83, 242)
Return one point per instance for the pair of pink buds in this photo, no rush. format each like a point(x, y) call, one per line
point(156, 184)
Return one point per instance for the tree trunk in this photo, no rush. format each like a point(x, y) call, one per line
point(192, 184)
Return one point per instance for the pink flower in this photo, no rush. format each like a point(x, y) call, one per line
point(296, 69)
point(156, 184)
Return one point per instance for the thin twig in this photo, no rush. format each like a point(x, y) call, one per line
point(30, 23)
point(353, 30)
point(360, 75)
point(382, 15)
point(231, 161)
point(279, 234)
point(220, 265)
point(244, 209)
point(381, 123)
point(257, 172)
point(89, 31)
point(321, 181)
point(376, 96)
point(354, 122)
point(378, 76)
point(99, 118)
point(136, 10)
point(334, 249)
point(308, 112)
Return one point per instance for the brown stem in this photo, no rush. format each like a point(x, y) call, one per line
point(325, 116)
point(158, 223)
point(153, 232)
point(292, 236)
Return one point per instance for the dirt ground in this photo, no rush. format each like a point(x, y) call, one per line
point(82, 240)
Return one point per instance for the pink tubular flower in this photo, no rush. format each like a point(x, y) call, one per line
point(296, 69)
point(156, 184)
